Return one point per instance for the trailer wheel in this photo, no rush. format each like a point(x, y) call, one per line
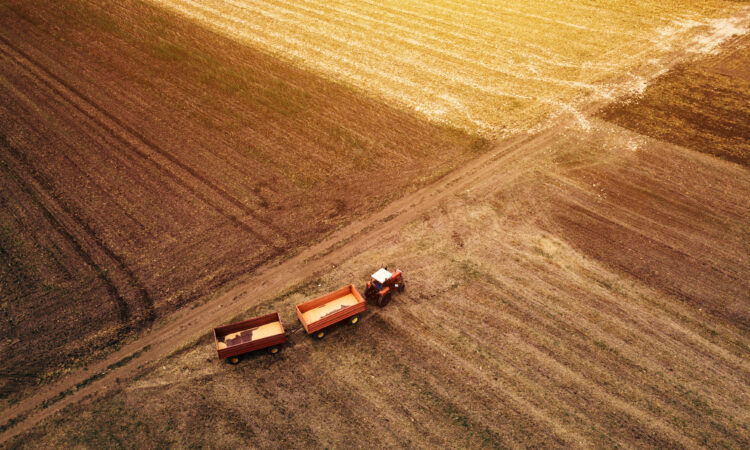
point(354, 320)
point(320, 334)
point(274, 350)
point(234, 360)
point(384, 299)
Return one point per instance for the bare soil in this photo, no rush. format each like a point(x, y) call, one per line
point(145, 162)
point(511, 332)
point(569, 288)
point(702, 106)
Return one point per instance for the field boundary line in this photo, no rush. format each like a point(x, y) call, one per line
point(271, 279)
point(268, 280)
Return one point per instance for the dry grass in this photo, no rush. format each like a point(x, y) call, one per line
point(482, 66)
point(145, 162)
point(513, 330)
point(592, 293)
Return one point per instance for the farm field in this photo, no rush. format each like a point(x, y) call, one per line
point(517, 328)
point(146, 162)
point(509, 64)
point(576, 261)
point(531, 318)
point(669, 110)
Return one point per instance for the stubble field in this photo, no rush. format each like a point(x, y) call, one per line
point(147, 162)
point(562, 302)
point(585, 287)
point(508, 64)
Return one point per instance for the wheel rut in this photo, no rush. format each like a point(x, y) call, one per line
point(492, 168)
point(268, 280)
point(37, 190)
point(145, 149)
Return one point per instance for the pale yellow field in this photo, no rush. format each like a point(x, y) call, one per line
point(484, 67)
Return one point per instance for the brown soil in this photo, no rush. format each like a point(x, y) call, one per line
point(145, 161)
point(570, 288)
point(701, 106)
point(679, 235)
point(511, 332)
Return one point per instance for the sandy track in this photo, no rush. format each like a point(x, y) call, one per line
point(151, 217)
point(267, 281)
point(189, 324)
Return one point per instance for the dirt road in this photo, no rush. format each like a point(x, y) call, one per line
point(269, 281)
point(112, 217)
point(189, 324)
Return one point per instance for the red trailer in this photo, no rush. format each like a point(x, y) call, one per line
point(342, 304)
point(250, 335)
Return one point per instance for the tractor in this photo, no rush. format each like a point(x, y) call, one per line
point(380, 288)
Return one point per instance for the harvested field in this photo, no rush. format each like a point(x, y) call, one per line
point(590, 291)
point(508, 64)
point(654, 221)
point(146, 162)
point(701, 106)
point(533, 340)
point(583, 283)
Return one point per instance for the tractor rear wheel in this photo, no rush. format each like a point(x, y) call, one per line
point(384, 299)
point(371, 293)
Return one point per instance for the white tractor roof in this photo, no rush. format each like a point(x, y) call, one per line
point(381, 275)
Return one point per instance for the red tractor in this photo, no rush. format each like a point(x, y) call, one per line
point(380, 288)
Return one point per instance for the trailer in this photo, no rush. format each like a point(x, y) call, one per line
point(337, 306)
point(250, 335)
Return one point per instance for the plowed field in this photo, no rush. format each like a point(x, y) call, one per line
point(701, 106)
point(146, 162)
point(581, 283)
point(560, 302)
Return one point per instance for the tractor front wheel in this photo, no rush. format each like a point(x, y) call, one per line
point(384, 299)
point(320, 335)
point(354, 320)
point(234, 360)
point(274, 350)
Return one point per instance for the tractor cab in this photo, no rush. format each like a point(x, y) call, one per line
point(382, 284)
point(380, 277)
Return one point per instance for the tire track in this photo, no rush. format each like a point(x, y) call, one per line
point(121, 304)
point(495, 167)
point(224, 157)
point(133, 140)
point(268, 280)
point(44, 186)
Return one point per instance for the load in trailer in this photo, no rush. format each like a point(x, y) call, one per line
point(258, 333)
point(339, 305)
